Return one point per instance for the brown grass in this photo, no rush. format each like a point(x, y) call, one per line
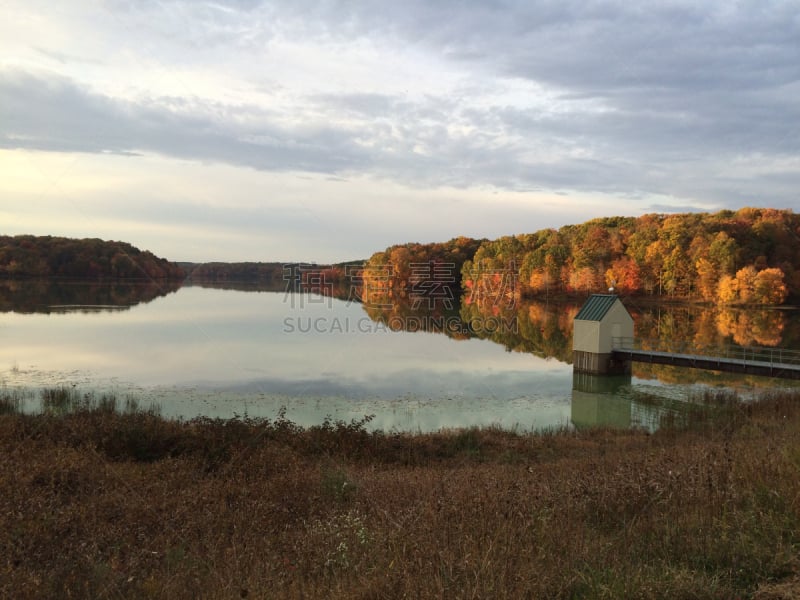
point(94, 503)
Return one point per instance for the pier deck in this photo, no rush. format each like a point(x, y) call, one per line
point(767, 362)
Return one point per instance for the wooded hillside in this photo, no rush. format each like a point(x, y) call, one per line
point(419, 268)
point(751, 256)
point(47, 256)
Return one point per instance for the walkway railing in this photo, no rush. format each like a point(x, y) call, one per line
point(744, 354)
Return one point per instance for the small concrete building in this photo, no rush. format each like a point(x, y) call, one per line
point(601, 325)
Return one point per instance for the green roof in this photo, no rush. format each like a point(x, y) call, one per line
point(596, 307)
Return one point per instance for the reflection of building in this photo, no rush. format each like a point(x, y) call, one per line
point(651, 415)
point(603, 401)
point(601, 324)
point(612, 401)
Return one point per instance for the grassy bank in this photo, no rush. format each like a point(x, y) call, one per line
point(98, 502)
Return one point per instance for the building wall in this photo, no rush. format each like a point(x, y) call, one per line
point(586, 336)
point(616, 323)
point(589, 362)
point(599, 364)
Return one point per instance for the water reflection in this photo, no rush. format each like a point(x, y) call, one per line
point(237, 286)
point(625, 402)
point(616, 401)
point(535, 327)
point(61, 296)
point(601, 400)
point(218, 352)
point(545, 328)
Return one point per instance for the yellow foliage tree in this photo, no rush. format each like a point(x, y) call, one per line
point(746, 284)
point(751, 286)
point(707, 279)
point(769, 287)
point(727, 290)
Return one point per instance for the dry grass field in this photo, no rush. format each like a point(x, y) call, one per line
point(102, 503)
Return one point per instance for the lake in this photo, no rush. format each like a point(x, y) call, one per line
point(221, 352)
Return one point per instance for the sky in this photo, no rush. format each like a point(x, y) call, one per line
point(325, 131)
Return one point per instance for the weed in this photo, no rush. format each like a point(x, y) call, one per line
point(11, 402)
point(341, 540)
point(101, 502)
point(336, 485)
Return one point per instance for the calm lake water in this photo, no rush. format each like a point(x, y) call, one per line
point(219, 353)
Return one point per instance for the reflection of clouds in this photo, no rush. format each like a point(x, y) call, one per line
point(218, 353)
point(406, 414)
point(415, 384)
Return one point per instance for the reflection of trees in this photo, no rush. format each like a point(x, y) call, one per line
point(401, 313)
point(545, 328)
point(535, 327)
point(239, 286)
point(538, 328)
point(706, 329)
point(48, 296)
point(761, 327)
point(669, 327)
point(335, 290)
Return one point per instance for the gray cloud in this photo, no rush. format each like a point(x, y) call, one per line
point(48, 112)
point(679, 82)
point(661, 98)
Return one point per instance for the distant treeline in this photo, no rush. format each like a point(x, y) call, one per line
point(419, 269)
point(47, 256)
point(261, 272)
point(751, 256)
point(334, 280)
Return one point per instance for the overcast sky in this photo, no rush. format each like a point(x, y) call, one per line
point(324, 131)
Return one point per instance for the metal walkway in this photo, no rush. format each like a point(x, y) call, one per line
point(767, 362)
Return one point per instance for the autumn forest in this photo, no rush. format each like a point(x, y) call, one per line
point(751, 256)
point(28, 256)
point(747, 257)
